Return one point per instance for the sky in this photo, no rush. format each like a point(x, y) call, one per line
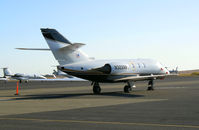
point(165, 30)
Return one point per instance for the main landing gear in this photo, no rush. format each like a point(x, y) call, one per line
point(150, 85)
point(96, 88)
point(129, 86)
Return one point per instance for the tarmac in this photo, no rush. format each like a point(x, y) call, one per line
point(173, 105)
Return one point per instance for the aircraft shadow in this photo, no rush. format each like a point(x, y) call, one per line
point(57, 96)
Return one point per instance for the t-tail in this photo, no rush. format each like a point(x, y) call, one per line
point(63, 50)
point(7, 72)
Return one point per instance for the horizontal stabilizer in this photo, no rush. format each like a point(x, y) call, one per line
point(35, 49)
point(72, 47)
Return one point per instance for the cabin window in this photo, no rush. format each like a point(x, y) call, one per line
point(144, 65)
point(139, 65)
point(133, 65)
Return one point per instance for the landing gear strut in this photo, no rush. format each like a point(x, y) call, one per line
point(150, 85)
point(96, 88)
point(129, 86)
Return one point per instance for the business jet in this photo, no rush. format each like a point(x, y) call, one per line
point(173, 71)
point(3, 79)
point(62, 74)
point(21, 77)
point(76, 63)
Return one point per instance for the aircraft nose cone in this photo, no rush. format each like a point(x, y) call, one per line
point(164, 70)
point(167, 72)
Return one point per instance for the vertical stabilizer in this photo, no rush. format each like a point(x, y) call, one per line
point(63, 50)
point(7, 72)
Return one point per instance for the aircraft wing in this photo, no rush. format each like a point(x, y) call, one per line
point(119, 78)
point(47, 80)
point(139, 78)
point(58, 79)
point(3, 79)
point(19, 78)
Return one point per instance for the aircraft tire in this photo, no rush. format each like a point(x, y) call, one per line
point(127, 89)
point(96, 89)
point(150, 88)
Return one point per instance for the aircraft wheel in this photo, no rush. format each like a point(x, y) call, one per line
point(127, 89)
point(96, 88)
point(150, 86)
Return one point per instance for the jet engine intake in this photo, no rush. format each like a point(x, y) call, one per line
point(112, 68)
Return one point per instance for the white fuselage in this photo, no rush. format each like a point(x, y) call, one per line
point(128, 67)
point(26, 77)
point(19, 76)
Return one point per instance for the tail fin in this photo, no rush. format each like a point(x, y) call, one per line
point(63, 50)
point(7, 72)
point(176, 71)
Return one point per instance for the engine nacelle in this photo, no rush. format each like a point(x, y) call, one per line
point(114, 68)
